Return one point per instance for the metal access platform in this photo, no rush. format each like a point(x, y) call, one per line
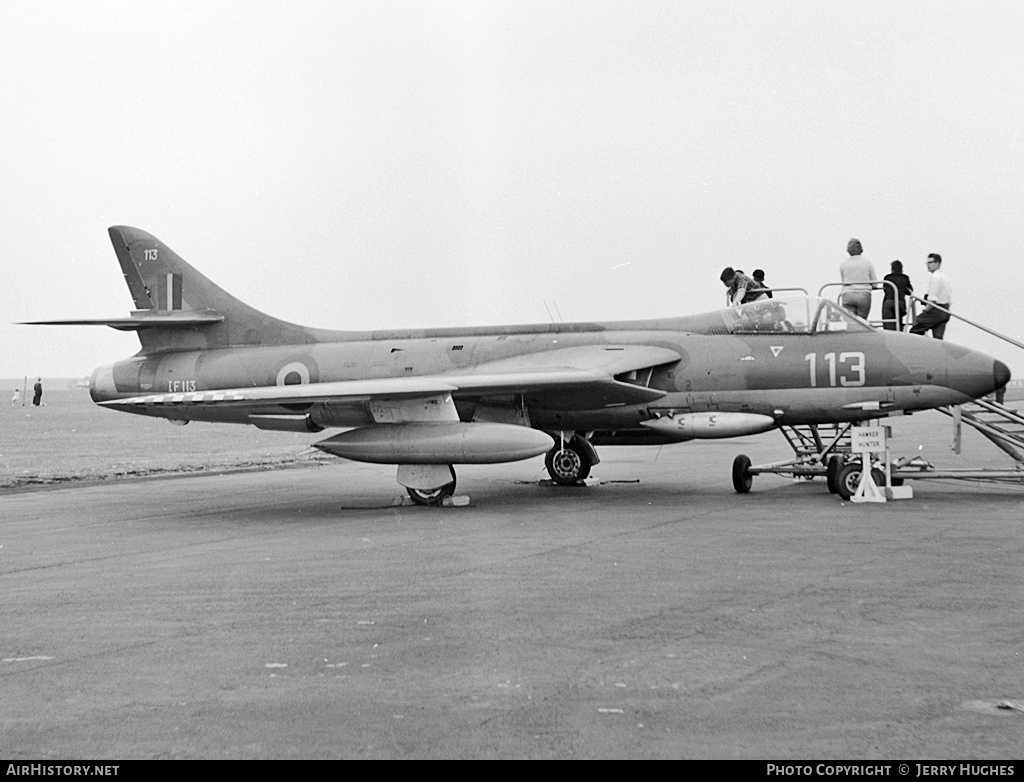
point(826, 450)
point(814, 445)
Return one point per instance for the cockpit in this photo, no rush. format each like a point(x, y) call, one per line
point(796, 315)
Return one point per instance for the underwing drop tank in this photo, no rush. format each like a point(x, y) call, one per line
point(438, 443)
point(710, 426)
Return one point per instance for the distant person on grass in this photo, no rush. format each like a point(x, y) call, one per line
point(37, 389)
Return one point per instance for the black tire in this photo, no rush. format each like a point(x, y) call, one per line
point(835, 464)
point(848, 479)
point(742, 480)
point(568, 464)
point(433, 497)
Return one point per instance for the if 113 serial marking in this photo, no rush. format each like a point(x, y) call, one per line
point(848, 370)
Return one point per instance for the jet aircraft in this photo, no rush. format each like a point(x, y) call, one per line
point(428, 399)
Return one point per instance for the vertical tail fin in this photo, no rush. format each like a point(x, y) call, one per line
point(161, 282)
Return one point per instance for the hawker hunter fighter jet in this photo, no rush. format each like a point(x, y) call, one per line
point(428, 399)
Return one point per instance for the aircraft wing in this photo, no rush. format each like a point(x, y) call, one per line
point(585, 375)
point(580, 377)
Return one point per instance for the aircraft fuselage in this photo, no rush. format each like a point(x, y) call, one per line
point(794, 378)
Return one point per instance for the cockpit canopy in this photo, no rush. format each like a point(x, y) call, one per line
point(795, 315)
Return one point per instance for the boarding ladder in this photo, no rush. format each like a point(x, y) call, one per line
point(815, 443)
point(1002, 425)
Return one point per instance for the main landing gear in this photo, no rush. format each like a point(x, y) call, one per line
point(569, 462)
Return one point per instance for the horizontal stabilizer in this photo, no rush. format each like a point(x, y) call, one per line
point(145, 320)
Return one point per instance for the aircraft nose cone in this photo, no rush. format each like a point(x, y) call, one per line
point(1000, 374)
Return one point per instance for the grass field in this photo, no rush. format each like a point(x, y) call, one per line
point(72, 439)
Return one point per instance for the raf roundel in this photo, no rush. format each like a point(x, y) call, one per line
point(293, 374)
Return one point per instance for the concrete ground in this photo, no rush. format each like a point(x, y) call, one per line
point(296, 614)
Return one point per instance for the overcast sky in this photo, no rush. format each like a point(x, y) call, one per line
point(392, 164)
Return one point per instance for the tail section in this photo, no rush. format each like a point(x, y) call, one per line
point(177, 308)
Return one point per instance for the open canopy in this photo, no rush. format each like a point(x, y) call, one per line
point(798, 315)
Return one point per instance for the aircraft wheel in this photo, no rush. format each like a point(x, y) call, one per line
point(835, 464)
point(433, 496)
point(742, 480)
point(848, 479)
point(566, 464)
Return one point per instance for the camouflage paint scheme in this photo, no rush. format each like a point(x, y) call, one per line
point(207, 356)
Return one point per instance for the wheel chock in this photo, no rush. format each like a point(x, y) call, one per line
point(899, 493)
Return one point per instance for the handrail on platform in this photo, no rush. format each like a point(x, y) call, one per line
point(993, 332)
point(877, 285)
